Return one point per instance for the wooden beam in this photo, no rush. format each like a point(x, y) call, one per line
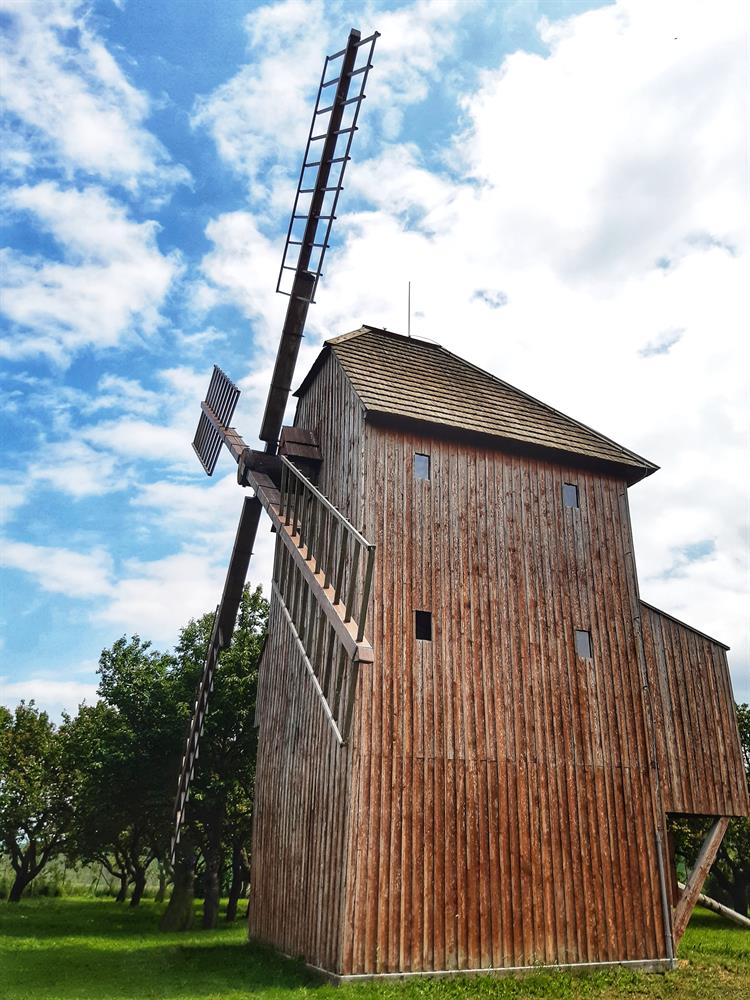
point(358, 650)
point(723, 911)
point(229, 435)
point(310, 668)
point(237, 569)
point(694, 884)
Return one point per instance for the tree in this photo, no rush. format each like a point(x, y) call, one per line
point(35, 792)
point(729, 879)
point(125, 749)
point(220, 809)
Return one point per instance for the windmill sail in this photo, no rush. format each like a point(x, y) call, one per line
point(333, 629)
point(325, 159)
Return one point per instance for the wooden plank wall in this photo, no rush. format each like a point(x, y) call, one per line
point(302, 802)
point(332, 410)
point(501, 784)
point(299, 825)
point(698, 745)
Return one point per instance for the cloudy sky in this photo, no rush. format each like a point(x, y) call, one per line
point(564, 183)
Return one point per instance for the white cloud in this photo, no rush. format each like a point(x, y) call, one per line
point(111, 284)
point(619, 146)
point(242, 267)
point(156, 598)
point(74, 468)
point(125, 394)
point(259, 119)
point(603, 202)
point(262, 113)
point(12, 497)
point(187, 509)
point(60, 570)
point(140, 440)
point(77, 107)
point(53, 696)
point(415, 41)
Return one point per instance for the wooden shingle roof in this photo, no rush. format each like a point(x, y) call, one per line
point(406, 379)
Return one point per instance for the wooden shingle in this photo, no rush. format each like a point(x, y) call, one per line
point(406, 379)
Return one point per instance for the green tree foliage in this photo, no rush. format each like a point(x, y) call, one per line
point(126, 751)
point(220, 809)
point(35, 792)
point(729, 880)
point(102, 787)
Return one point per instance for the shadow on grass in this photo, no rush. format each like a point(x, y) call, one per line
point(74, 972)
point(91, 950)
point(100, 918)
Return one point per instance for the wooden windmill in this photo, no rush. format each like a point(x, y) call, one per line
point(469, 749)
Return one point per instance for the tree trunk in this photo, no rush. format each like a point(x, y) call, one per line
point(236, 887)
point(139, 880)
point(239, 881)
point(22, 879)
point(178, 915)
point(123, 892)
point(234, 894)
point(211, 892)
point(162, 890)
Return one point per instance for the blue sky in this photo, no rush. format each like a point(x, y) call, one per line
point(563, 183)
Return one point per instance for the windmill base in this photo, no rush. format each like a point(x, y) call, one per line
point(650, 965)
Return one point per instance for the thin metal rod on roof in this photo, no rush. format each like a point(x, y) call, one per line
point(408, 311)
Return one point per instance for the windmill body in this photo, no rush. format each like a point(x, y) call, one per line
point(526, 722)
point(472, 731)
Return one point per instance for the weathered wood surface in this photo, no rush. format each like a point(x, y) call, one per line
point(497, 806)
point(413, 379)
point(300, 821)
point(501, 784)
point(686, 903)
point(698, 743)
point(302, 799)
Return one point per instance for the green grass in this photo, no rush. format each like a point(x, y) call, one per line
point(92, 949)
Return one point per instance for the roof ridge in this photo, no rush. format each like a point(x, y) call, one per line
point(343, 337)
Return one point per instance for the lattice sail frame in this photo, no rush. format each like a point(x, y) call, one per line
point(333, 125)
point(315, 216)
point(221, 397)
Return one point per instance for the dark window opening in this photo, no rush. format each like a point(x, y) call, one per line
point(421, 466)
point(583, 643)
point(570, 495)
point(423, 625)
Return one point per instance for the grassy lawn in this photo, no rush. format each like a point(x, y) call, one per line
point(76, 949)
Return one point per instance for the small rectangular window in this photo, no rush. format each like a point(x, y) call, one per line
point(421, 466)
point(570, 495)
point(423, 625)
point(583, 643)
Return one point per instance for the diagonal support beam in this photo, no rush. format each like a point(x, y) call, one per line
point(686, 903)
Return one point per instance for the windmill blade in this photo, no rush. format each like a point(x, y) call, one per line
point(327, 152)
point(220, 400)
point(221, 635)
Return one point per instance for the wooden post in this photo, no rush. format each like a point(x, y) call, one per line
point(694, 884)
point(723, 911)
